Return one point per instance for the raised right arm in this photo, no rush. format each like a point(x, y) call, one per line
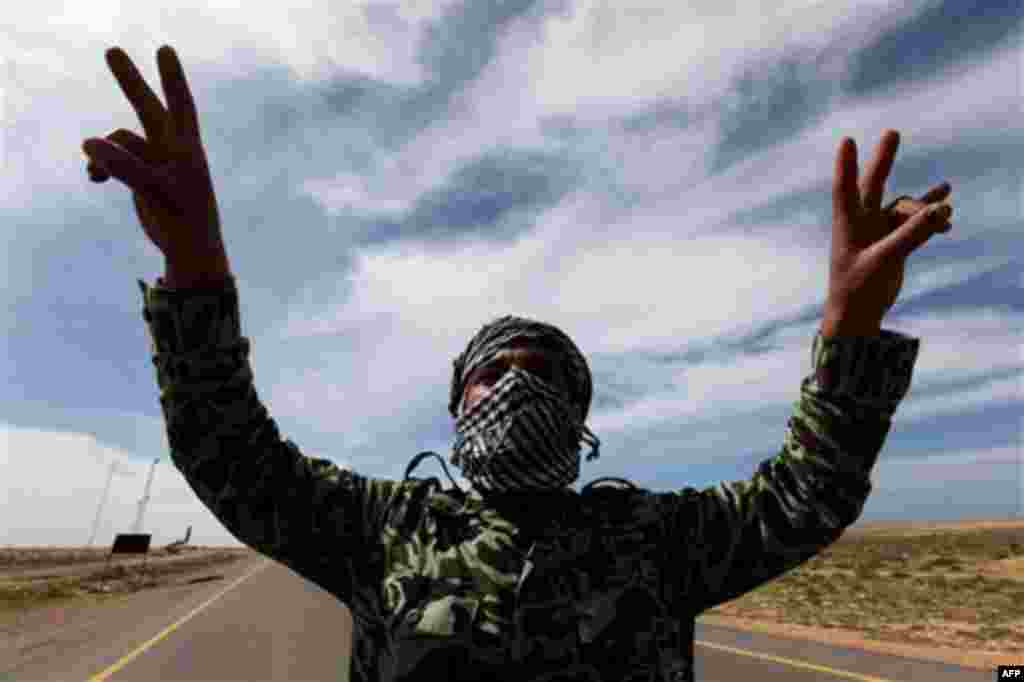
point(305, 512)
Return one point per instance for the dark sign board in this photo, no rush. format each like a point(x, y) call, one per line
point(131, 543)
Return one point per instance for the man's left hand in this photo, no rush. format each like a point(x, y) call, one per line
point(870, 247)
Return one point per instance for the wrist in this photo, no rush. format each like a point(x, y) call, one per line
point(846, 326)
point(196, 277)
point(848, 333)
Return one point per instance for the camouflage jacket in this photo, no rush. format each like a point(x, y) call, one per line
point(600, 585)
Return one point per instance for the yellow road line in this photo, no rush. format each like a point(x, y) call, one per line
point(100, 677)
point(794, 663)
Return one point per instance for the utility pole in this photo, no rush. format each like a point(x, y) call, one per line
point(103, 501)
point(145, 498)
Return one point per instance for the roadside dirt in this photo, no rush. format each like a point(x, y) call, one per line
point(940, 591)
point(905, 528)
point(15, 560)
point(32, 564)
point(33, 579)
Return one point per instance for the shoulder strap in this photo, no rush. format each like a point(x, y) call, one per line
point(420, 493)
point(419, 458)
point(623, 483)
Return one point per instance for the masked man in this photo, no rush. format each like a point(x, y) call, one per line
point(519, 577)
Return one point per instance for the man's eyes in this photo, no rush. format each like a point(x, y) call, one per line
point(493, 373)
point(490, 374)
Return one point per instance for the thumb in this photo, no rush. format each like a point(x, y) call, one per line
point(909, 236)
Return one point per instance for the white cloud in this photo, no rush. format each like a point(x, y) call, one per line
point(629, 282)
point(665, 300)
point(55, 482)
point(54, 64)
point(351, 192)
point(963, 343)
point(605, 57)
point(727, 388)
point(918, 283)
point(666, 272)
point(374, 38)
point(669, 167)
point(995, 393)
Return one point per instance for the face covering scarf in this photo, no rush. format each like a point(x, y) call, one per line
point(524, 434)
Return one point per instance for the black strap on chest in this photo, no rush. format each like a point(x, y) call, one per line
point(419, 458)
point(623, 483)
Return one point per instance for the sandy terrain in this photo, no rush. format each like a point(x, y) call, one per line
point(953, 633)
point(41, 563)
point(919, 527)
point(32, 578)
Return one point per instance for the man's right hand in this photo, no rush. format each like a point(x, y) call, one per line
point(166, 170)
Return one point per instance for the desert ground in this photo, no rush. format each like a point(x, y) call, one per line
point(942, 591)
point(32, 577)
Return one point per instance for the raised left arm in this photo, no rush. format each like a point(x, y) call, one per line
point(728, 539)
point(736, 536)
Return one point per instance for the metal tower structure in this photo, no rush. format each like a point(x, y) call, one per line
point(145, 498)
point(103, 502)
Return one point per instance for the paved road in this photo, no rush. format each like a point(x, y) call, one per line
point(260, 621)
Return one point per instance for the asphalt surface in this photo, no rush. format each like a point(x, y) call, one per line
point(256, 620)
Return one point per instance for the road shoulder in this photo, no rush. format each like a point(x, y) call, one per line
point(852, 639)
point(72, 635)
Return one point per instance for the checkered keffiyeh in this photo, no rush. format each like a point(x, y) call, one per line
point(499, 334)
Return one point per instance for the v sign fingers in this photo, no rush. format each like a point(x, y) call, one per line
point(846, 204)
point(184, 117)
point(147, 105)
point(870, 247)
point(167, 170)
point(873, 184)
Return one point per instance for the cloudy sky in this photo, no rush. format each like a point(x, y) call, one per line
point(653, 179)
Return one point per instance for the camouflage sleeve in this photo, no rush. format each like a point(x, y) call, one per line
point(304, 512)
point(735, 536)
